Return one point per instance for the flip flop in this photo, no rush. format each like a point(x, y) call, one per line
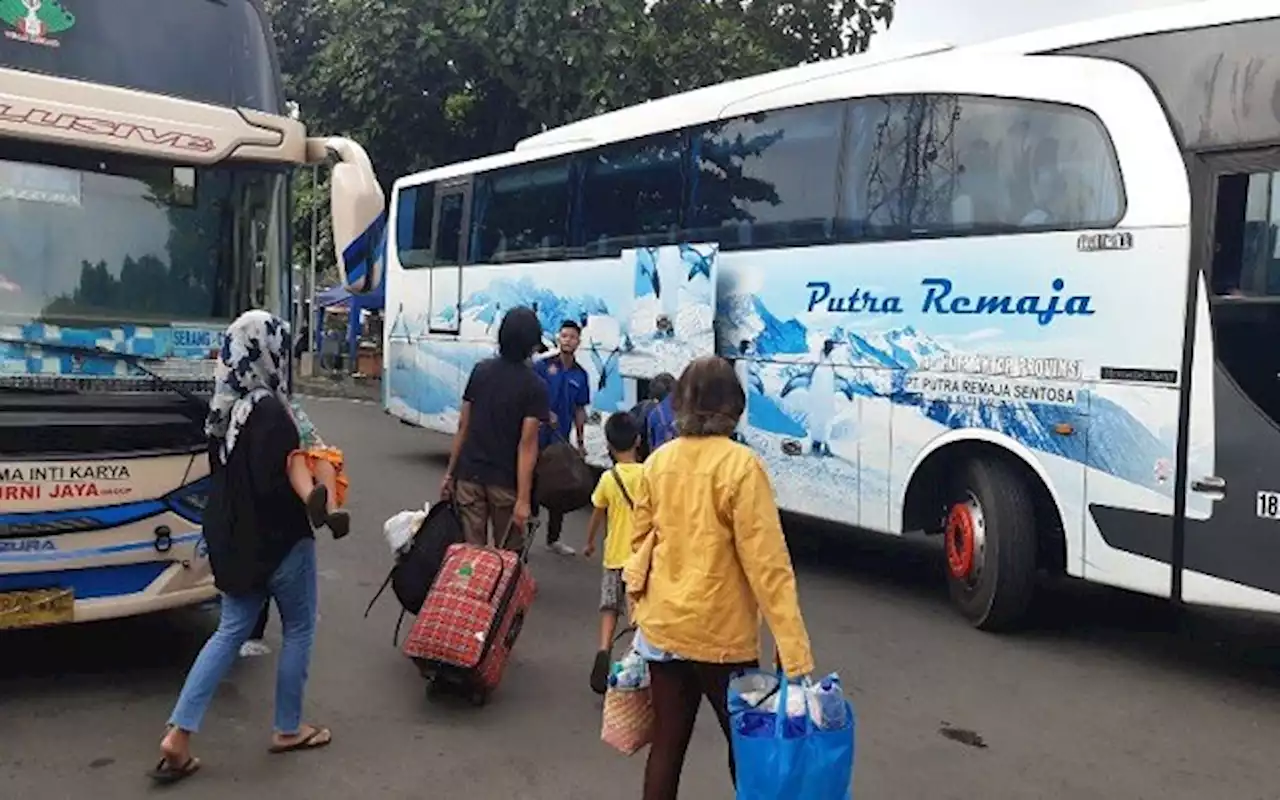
point(600, 672)
point(165, 773)
point(319, 736)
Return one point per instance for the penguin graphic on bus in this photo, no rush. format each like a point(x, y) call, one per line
point(748, 378)
point(666, 281)
point(649, 281)
point(820, 383)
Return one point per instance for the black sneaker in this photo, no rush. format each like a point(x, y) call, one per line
point(600, 672)
point(318, 506)
point(340, 523)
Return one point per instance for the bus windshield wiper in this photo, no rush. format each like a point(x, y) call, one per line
point(137, 362)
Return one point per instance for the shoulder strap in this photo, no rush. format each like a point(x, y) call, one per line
point(663, 422)
point(625, 494)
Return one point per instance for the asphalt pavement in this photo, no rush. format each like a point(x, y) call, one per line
point(1108, 696)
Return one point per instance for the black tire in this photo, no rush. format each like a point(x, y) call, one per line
point(1000, 596)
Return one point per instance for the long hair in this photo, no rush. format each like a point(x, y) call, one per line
point(519, 334)
point(708, 398)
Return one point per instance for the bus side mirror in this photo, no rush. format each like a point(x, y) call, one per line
point(358, 210)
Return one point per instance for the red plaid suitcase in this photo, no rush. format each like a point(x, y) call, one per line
point(471, 618)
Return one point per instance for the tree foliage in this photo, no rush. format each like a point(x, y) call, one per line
point(421, 84)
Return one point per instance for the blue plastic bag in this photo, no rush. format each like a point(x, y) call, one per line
point(783, 757)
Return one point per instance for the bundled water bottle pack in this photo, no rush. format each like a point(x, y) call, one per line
point(754, 697)
point(791, 741)
point(630, 673)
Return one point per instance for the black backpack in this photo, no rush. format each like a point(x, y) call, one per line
point(640, 416)
point(416, 569)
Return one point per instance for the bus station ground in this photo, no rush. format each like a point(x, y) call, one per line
point(1104, 698)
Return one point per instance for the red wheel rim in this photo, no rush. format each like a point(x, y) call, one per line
point(960, 541)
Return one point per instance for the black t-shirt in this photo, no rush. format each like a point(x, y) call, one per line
point(254, 517)
point(502, 394)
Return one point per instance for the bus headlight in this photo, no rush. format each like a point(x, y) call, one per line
point(190, 501)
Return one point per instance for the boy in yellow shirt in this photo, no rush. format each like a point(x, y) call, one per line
point(612, 500)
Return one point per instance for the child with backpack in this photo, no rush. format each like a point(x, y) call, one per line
point(613, 502)
point(654, 417)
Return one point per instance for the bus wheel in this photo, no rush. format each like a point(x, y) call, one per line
point(990, 534)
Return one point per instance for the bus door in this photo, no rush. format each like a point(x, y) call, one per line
point(1228, 547)
point(452, 221)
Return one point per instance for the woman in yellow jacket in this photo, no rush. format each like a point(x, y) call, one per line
point(708, 559)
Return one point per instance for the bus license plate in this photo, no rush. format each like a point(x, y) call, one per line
point(35, 607)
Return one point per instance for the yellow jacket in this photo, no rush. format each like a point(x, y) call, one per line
point(709, 557)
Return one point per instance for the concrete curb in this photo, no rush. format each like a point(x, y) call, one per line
point(369, 391)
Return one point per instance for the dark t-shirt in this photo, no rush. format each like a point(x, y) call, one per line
point(502, 395)
point(254, 517)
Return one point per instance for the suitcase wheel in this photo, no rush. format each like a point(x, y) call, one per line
point(478, 697)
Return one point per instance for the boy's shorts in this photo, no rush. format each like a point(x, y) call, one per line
point(613, 594)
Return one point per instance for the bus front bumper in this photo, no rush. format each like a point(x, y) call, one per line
point(113, 592)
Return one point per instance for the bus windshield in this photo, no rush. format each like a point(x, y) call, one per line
point(92, 241)
point(132, 44)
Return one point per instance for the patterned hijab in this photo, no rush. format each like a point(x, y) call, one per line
point(253, 364)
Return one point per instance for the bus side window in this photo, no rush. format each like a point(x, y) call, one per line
point(521, 213)
point(952, 165)
point(415, 206)
point(448, 250)
point(767, 180)
point(630, 195)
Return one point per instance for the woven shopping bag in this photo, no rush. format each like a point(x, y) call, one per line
point(628, 719)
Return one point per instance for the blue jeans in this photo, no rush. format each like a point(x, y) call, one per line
point(293, 585)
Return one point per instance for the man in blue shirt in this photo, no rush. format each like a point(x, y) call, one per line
point(569, 392)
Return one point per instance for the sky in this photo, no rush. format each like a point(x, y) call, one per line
point(968, 21)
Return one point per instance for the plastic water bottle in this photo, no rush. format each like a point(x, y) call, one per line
point(831, 708)
point(753, 691)
point(629, 673)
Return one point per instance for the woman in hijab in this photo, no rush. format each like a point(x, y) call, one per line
point(259, 539)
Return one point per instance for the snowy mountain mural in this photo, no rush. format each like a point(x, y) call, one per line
point(744, 318)
point(486, 306)
point(878, 364)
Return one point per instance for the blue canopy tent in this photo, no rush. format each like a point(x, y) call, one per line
point(339, 297)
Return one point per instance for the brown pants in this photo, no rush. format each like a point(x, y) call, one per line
point(478, 506)
point(676, 689)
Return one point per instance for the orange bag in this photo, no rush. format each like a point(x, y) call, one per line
point(628, 720)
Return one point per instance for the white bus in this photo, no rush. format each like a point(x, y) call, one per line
point(1023, 295)
point(145, 156)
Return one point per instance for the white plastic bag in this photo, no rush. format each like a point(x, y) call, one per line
point(400, 528)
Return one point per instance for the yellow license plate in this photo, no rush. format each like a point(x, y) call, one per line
point(36, 607)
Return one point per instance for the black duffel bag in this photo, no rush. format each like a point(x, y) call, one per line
point(416, 568)
point(563, 481)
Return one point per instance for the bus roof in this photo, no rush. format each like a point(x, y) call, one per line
point(668, 113)
point(675, 111)
point(1184, 16)
point(704, 105)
